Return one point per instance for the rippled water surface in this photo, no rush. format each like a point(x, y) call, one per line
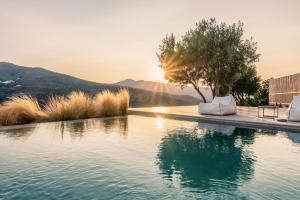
point(147, 158)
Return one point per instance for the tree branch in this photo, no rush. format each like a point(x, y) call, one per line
point(196, 87)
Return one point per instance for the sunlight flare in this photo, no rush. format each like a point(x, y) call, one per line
point(160, 122)
point(160, 109)
point(157, 74)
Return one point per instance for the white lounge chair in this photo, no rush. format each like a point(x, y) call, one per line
point(293, 112)
point(219, 106)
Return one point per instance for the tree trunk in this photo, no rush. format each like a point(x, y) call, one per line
point(200, 93)
point(212, 91)
point(236, 98)
point(217, 90)
point(229, 90)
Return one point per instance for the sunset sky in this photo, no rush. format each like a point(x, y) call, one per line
point(108, 41)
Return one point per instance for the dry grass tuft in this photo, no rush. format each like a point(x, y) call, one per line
point(77, 105)
point(123, 98)
point(20, 110)
point(106, 104)
point(81, 105)
point(55, 109)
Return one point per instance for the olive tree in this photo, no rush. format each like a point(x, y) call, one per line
point(211, 54)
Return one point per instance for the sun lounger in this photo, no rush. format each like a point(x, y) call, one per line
point(219, 106)
point(293, 112)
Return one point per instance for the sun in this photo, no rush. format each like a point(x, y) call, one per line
point(157, 74)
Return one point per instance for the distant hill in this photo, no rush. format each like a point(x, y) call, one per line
point(165, 88)
point(42, 83)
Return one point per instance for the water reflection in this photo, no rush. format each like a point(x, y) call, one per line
point(267, 132)
point(75, 129)
point(160, 123)
point(225, 130)
point(294, 137)
point(19, 133)
point(203, 158)
point(123, 126)
point(80, 128)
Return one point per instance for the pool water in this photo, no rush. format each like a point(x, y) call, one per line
point(147, 158)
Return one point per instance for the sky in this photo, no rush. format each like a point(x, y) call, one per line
point(108, 41)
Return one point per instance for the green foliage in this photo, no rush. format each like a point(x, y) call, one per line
point(261, 97)
point(211, 54)
point(246, 86)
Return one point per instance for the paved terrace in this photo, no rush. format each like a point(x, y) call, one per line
point(245, 117)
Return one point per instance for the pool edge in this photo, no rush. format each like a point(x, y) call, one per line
point(246, 124)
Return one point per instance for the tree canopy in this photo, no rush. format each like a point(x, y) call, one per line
point(246, 86)
point(211, 54)
point(261, 97)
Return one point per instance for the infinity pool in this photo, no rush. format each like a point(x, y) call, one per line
point(147, 158)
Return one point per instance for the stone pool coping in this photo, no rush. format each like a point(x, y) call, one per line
point(246, 117)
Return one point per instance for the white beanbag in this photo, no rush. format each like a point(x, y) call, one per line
point(219, 106)
point(293, 112)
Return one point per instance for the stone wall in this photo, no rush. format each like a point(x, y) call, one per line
point(282, 90)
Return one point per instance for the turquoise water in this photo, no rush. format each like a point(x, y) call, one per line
point(147, 158)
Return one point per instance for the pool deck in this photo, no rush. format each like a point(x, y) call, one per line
point(245, 117)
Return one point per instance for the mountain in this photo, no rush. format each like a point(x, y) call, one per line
point(165, 88)
point(42, 83)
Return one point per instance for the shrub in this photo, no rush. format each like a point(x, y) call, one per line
point(262, 94)
point(20, 110)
